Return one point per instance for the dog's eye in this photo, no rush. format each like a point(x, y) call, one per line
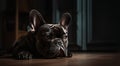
point(42, 34)
point(65, 36)
point(49, 37)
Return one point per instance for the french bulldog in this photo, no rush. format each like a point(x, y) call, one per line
point(43, 40)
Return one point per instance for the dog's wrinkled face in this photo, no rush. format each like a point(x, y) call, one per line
point(52, 39)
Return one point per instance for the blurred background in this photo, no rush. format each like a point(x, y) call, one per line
point(94, 25)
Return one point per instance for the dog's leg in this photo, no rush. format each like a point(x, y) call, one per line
point(23, 55)
point(21, 48)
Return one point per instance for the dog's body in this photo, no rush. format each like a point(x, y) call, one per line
point(43, 40)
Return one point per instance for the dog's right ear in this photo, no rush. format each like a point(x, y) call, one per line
point(65, 20)
point(36, 20)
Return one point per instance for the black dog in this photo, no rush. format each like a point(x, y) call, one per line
point(43, 40)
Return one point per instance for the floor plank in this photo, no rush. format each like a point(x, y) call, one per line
point(78, 59)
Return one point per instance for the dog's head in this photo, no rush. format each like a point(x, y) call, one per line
point(52, 39)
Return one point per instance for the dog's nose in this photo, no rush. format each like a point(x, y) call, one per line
point(56, 44)
point(59, 43)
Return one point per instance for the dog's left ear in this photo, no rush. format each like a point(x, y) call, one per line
point(65, 20)
point(36, 20)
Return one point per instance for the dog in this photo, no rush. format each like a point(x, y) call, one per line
point(43, 40)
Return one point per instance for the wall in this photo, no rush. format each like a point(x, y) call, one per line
point(2, 9)
point(105, 26)
point(106, 20)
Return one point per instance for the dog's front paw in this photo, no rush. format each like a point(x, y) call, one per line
point(69, 54)
point(24, 55)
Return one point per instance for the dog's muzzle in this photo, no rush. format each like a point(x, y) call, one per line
point(51, 48)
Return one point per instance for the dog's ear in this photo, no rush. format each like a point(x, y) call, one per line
point(36, 20)
point(65, 20)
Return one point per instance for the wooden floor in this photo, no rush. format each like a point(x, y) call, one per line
point(78, 59)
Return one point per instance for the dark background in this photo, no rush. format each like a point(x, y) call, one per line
point(105, 21)
point(106, 25)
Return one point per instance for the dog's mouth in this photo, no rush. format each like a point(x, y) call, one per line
point(51, 48)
